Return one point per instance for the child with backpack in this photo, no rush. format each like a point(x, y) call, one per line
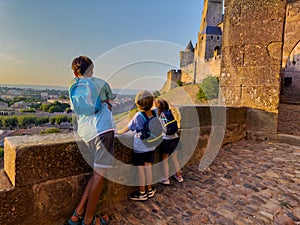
point(168, 147)
point(90, 101)
point(143, 153)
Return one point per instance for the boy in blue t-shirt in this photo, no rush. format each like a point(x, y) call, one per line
point(97, 131)
point(143, 156)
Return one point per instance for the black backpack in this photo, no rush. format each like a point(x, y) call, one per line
point(151, 134)
point(170, 122)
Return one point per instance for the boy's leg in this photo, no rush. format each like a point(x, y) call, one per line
point(97, 181)
point(82, 204)
point(176, 162)
point(165, 158)
point(148, 172)
point(102, 161)
point(142, 178)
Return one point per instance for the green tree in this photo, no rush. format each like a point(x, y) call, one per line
point(63, 97)
point(41, 120)
point(68, 110)
point(9, 121)
point(156, 93)
point(26, 121)
point(55, 108)
point(52, 120)
point(61, 119)
point(45, 107)
point(209, 88)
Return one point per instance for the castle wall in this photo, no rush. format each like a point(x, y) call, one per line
point(212, 41)
point(44, 175)
point(251, 56)
point(212, 67)
point(173, 77)
point(186, 57)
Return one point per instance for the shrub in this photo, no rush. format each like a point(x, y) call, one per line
point(55, 108)
point(1, 152)
point(50, 131)
point(209, 88)
point(26, 121)
point(179, 83)
point(156, 93)
point(31, 110)
point(9, 121)
point(41, 120)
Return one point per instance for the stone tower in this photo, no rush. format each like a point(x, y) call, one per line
point(187, 56)
point(210, 35)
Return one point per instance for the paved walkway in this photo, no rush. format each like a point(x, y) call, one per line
point(249, 182)
point(289, 119)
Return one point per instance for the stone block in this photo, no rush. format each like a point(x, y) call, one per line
point(236, 115)
point(232, 95)
point(261, 97)
point(34, 159)
point(233, 56)
point(260, 121)
point(55, 200)
point(260, 75)
point(257, 55)
point(17, 204)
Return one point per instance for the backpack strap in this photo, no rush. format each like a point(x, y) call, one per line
point(144, 116)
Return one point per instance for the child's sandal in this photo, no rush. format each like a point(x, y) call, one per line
point(102, 220)
point(79, 219)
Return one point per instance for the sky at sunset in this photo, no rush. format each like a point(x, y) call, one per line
point(133, 43)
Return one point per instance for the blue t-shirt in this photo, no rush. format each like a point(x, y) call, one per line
point(90, 126)
point(137, 123)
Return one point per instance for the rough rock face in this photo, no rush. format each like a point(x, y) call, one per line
point(252, 42)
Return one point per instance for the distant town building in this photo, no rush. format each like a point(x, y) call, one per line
point(3, 105)
point(20, 105)
point(44, 95)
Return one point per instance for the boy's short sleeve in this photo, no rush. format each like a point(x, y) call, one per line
point(136, 123)
point(108, 91)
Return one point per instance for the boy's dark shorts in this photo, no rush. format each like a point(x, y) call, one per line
point(103, 148)
point(168, 146)
point(139, 159)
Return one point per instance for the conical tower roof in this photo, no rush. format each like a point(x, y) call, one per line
point(190, 46)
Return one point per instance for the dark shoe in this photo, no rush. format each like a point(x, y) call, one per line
point(151, 193)
point(138, 196)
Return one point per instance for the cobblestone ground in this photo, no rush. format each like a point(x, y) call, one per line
point(289, 119)
point(249, 182)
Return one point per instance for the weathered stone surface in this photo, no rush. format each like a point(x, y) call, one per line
point(252, 53)
point(17, 204)
point(261, 121)
point(38, 158)
point(54, 199)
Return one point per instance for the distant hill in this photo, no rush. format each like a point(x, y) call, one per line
point(44, 87)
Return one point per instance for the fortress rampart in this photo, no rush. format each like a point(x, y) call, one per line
point(44, 175)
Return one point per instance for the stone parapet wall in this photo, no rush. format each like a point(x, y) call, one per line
point(44, 175)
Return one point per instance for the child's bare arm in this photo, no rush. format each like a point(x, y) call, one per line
point(122, 131)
